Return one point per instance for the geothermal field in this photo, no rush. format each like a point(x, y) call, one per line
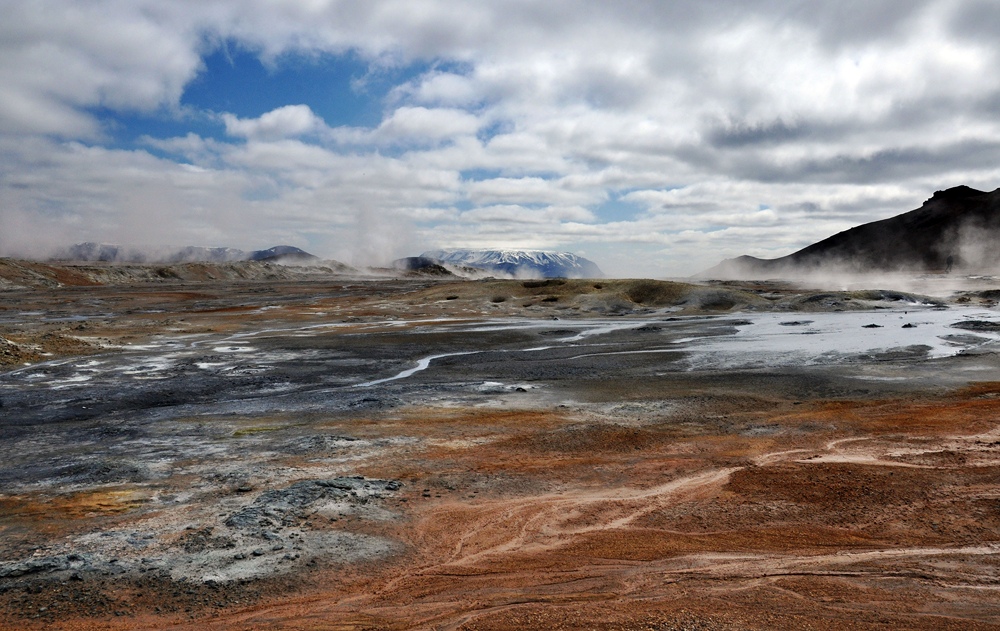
point(249, 447)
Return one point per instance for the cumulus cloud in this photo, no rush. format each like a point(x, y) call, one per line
point(521, 216)
point(285, 122)
point(525, 190)
point(442, 88)
point(422, 123)
point(57, 59)
point(407, 126)
point(662, 135)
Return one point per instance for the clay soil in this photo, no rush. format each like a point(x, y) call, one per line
point(490, 492)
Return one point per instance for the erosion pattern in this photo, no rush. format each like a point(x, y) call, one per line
point(324, 453)
point(955, 228)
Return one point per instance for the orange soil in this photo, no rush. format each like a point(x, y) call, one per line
point(546, 523)
point(884, 514)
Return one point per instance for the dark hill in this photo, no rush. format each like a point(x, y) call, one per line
point(108, 253)
point(960, 225)
point(420, 265)
point(282, 254)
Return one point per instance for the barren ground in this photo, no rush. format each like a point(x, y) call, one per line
point(328, 453)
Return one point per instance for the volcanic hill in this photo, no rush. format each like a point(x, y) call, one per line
point(109, 253)
point(957, 227)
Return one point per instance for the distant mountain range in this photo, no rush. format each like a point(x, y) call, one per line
point(956, 228)
point(515, 263)
point(92, 252)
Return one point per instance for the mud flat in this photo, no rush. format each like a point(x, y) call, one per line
point(344, 453)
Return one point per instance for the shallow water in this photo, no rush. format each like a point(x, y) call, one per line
point(752, 340)
point(783, 339)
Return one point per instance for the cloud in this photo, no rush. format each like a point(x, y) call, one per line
point(285, 122)
point(673, 133)
point(416, 123)
point(408, 127)
point(57, 59)
point(442, 88)
point(526, 190)
point(521, 216)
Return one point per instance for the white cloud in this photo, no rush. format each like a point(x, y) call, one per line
point(415, 124)
point(409, 126)
point(687, 132)
point(526, 190)
point(521, 216)
point(57, 58)
point(284, 122)
point(442, 88)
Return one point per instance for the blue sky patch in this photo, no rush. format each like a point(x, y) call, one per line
point(236, 81)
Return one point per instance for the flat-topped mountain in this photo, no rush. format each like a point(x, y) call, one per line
point(956, 228)
point(518, 263)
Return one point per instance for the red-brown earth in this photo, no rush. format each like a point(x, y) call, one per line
point(631, 499)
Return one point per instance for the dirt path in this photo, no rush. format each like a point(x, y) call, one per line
point(490, 561)
point(545, 523)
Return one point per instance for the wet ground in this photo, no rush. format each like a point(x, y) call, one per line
point(492, 455)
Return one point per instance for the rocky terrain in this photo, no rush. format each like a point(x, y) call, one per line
point(257, 446)
point(954, 229)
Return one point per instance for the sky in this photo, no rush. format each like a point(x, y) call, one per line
point(655, 138)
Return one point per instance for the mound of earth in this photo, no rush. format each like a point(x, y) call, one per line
point(616, 296)
point(421, 265)
point(11, 353)
point(19, 274)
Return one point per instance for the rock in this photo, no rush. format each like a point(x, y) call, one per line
point(977, 325)
point(286, 506)
point(42, 565)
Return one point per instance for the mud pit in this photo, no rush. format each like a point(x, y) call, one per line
point(403, 454)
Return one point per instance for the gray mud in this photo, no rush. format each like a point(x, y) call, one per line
point(221, 458)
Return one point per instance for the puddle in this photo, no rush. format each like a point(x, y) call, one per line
point(838, 337)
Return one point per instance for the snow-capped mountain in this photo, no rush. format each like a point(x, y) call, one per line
point(519, 263)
